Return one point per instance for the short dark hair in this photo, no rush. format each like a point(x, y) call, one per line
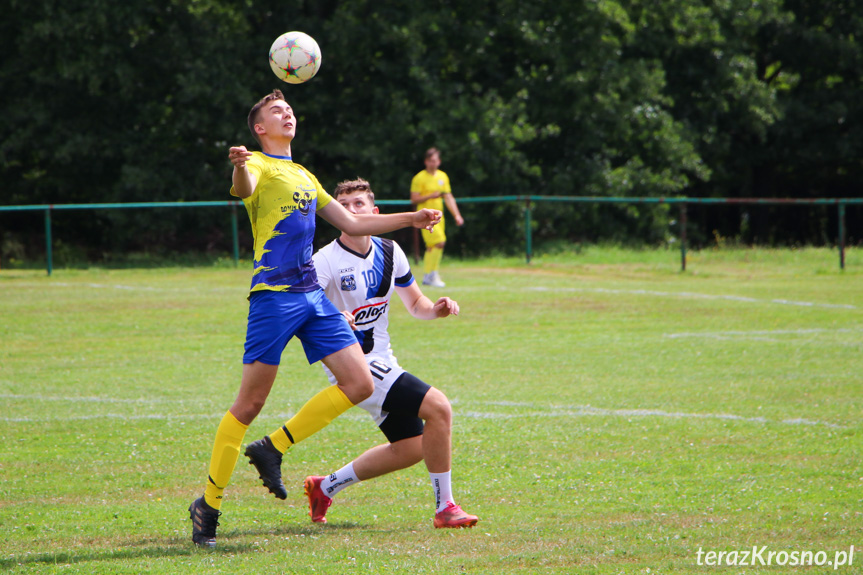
point(254, 112)
point(351, 186)
point(432, 152)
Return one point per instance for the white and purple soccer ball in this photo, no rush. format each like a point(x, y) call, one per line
point(295, 57)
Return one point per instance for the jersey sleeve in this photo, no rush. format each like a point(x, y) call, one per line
point(401, 267)
point(323, 197)
point(322, 268)
point(255, 167)
point(446, 188)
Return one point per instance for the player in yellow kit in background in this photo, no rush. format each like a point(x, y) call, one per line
point(431, 189)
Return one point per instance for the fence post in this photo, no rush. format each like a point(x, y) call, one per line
point(841, 236)
point(235, 235)
point(528, 232)
point(49, 255)
point(683, 237)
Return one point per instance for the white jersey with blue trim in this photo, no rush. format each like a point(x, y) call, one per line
point(363, 284)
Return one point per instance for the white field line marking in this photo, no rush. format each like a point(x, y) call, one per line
point(683, 294)
point(362, 415)
point(118, 286)
point(692, 295)
point(120, 416)
point(99, 286)
point(239, 287)
point(537, 412)
point(587, 410)
point(39, 397)
point(757, 334)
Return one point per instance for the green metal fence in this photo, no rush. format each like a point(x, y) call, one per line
point(527, 201)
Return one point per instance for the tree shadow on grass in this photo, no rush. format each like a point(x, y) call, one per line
point(299, 529)
point(159, 547)
point(85, 556)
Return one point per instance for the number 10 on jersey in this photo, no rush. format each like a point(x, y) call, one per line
point(371, 278)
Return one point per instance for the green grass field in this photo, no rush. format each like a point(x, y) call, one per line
point(612, 415)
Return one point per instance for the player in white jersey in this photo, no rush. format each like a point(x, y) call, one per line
point(359, 275)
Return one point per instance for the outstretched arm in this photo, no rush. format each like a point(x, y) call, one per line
point(373, 224)
point(244, 181)
point(421, 307)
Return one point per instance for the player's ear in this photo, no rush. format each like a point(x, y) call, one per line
point(259, 129)
point(375, 210)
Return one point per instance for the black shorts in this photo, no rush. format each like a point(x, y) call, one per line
point(402, 405)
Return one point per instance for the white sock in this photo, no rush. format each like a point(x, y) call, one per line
point(442, 486)
point(344, 477)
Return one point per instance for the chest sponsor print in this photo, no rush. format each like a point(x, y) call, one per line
point(370, 313)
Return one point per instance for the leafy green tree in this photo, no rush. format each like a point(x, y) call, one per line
point(138, 101)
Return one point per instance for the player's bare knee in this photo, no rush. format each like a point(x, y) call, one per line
point(440, 246)
point(358, 387)
point(246, 410)
point(436, 407)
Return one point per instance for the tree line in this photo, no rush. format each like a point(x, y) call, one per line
point(139, 100)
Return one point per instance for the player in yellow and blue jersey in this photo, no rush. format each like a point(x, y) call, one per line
point(431, 189)
point(282, 199)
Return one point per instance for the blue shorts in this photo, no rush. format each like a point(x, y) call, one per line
point(277, 316)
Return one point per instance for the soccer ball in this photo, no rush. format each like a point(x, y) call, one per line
point(295, 57)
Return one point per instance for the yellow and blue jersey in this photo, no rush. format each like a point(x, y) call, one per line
point(282, 213)
point(425, 183)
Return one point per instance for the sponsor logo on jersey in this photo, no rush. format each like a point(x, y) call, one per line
point(370, 313)
point(346, 270)
point(303, 199)
point(349, 283)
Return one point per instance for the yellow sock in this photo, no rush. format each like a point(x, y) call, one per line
point(315, 415)
point(438, 256)
point(427, 261)
point(431, 260)
point(226, 450)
